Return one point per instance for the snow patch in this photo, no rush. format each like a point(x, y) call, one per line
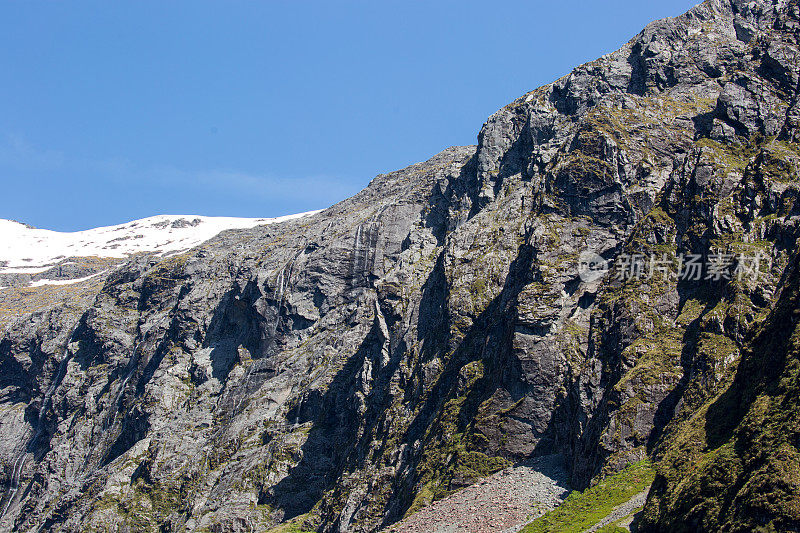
point(42, 282)
point(25, 250)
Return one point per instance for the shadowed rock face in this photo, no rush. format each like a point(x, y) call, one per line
point(352, 365)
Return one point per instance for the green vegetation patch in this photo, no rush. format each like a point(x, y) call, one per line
point(729, 156)
point(582, 510)
point(295, 525)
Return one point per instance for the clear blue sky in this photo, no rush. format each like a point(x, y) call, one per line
point(111, 111)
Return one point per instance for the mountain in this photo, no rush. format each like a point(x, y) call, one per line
point(600, 294)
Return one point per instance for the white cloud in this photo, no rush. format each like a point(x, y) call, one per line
point(16, 154)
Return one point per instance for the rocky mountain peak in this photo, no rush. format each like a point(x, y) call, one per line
point(343, 370)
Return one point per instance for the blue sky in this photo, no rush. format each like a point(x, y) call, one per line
point(111, 111)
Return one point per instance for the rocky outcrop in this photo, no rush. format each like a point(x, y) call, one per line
point(347, 368)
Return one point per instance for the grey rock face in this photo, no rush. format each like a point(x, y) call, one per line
point(350, 366)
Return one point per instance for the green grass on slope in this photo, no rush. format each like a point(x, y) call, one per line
point(294, 525)
point(582, 510)
point(614, 527)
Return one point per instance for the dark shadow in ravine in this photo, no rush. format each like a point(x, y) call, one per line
point(333, 436)
point(488, 339)
point(237, 323)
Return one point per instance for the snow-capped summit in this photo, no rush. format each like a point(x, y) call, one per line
point(27, 250)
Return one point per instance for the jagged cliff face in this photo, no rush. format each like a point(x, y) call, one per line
point(353, 365)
